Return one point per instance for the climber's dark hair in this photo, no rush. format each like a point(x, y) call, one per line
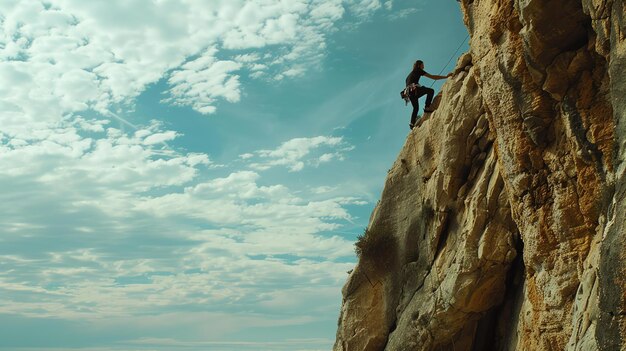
point(417, 64)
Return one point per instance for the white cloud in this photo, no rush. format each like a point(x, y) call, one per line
point(402, 13)
point(323, 189)
point(237, 200)
point(329, 157)
point(71, 55)
point(71, 287)
point(364, 7)
point(292, 154)
point(199, 83)
point(100, 189)
point(159, 138)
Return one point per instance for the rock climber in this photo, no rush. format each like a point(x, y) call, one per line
point(414, 90)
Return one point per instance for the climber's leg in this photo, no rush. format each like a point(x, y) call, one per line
point(430, 93)
point(416, 106)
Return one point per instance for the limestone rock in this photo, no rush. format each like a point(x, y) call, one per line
point(502, 225)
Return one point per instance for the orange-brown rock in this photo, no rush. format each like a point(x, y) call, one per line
point(506, 208)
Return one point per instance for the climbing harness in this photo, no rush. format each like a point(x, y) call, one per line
point(405, 94)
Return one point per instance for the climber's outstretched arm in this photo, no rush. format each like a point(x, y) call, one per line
point(436, 77)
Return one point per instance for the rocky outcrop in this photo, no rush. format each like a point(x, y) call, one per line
point(502, 224)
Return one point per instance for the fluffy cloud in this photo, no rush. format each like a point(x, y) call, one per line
point(292, 153)
point(111, 159)
point(98, 201)
point(200, 82)
point(71, 55)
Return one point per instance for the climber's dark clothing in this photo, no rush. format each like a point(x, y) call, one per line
point(418, 91)
point(414, 76)
point(415, 95)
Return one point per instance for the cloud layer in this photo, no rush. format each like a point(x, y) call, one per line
point(103, 219)
point(64, 56)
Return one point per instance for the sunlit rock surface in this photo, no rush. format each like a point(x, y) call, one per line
point(502, 224)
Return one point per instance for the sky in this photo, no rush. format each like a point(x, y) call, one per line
point(192, 174)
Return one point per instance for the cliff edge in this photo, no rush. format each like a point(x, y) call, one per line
point(502, 224)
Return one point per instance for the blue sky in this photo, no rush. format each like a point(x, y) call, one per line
point(191, 175)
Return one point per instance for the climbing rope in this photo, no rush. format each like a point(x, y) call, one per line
point(451, 57)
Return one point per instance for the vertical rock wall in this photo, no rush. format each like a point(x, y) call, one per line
point(502, 224)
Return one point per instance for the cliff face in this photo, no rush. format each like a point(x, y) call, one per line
point(502, 225)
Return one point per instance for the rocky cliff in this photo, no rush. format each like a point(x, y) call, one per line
point(502, 224)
